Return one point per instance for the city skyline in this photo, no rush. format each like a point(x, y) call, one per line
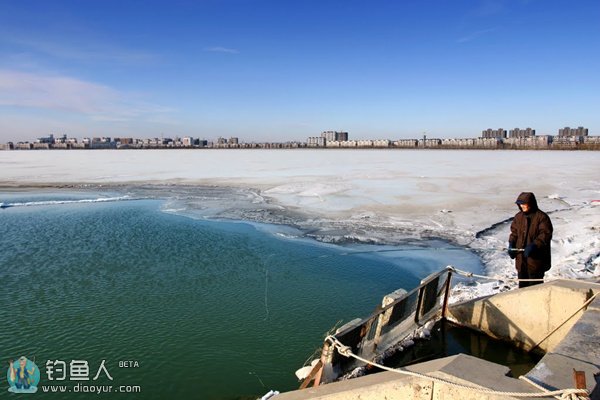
point(329, 135)
point(517, 138)
point(278, 71)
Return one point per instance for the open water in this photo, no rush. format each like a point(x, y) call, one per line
point(205, 309)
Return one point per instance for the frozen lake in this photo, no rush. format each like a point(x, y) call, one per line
point(365, 195)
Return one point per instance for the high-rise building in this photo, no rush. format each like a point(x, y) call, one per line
point(493, 133)
point(521, 133)
point(570, 132)
point(342, 136)
point(335, 136)
point(329, 136)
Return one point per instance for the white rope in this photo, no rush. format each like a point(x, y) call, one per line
point(494, 278)
point(540, 387)
point(566, 320)
point(564, 393)
point(585, 304)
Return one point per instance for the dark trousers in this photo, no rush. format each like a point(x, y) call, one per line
point(525, 274)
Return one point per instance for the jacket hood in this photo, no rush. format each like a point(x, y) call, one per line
point(527, 198)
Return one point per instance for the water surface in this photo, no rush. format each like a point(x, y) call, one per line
point(209, 309)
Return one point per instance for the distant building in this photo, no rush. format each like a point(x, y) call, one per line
point(460, 143)
point(529, 142)
point(382, 143)
point(102, 143)
point(46, 140)
point(76, 145)
point(364, 143)
point(428, 143)
point(316, 141)
point(348, 143)
point(406, 143)
point(329, 136)
point(62, 139)
point(187, 141)
point(23, 146)
point(234, 140)
point(569, 132)
point(567, 141)
point(493, 133)
point(335, 136)
point(487, 143)
point(124, 141)
point(521, 133)
point(592, 141)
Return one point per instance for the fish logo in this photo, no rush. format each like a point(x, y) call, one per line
point(23, 376)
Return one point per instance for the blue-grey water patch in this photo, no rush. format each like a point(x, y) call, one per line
point(208, 309)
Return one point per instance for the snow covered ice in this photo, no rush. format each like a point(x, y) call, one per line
point(377, 196)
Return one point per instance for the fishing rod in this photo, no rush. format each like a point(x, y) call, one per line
point(420, 248)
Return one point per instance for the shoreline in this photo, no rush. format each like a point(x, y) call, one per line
point(535, 143)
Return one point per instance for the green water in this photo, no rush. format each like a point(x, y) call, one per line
point(208, 309)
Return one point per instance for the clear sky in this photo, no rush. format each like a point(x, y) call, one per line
point(285, 70)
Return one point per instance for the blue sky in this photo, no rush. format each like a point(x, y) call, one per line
point(286, 70)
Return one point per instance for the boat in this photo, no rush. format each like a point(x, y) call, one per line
point(559, 319)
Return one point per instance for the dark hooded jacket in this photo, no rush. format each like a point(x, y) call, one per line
point(531, 227)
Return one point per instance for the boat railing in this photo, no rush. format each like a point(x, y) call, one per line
point(398, 317)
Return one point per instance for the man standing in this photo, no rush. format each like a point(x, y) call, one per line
point(531, 230)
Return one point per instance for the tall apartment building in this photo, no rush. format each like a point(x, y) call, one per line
point(493, 133)
point(570, 132)
point(335, 136)
point(521, 133)
point(342, 136)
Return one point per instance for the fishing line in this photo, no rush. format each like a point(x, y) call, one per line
point(257, 377)
point(266, 294)
point(266, 264)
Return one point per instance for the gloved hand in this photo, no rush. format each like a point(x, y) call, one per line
point(511, 253)
point(529, 249)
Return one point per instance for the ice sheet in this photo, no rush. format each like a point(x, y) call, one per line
point(381, 196)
